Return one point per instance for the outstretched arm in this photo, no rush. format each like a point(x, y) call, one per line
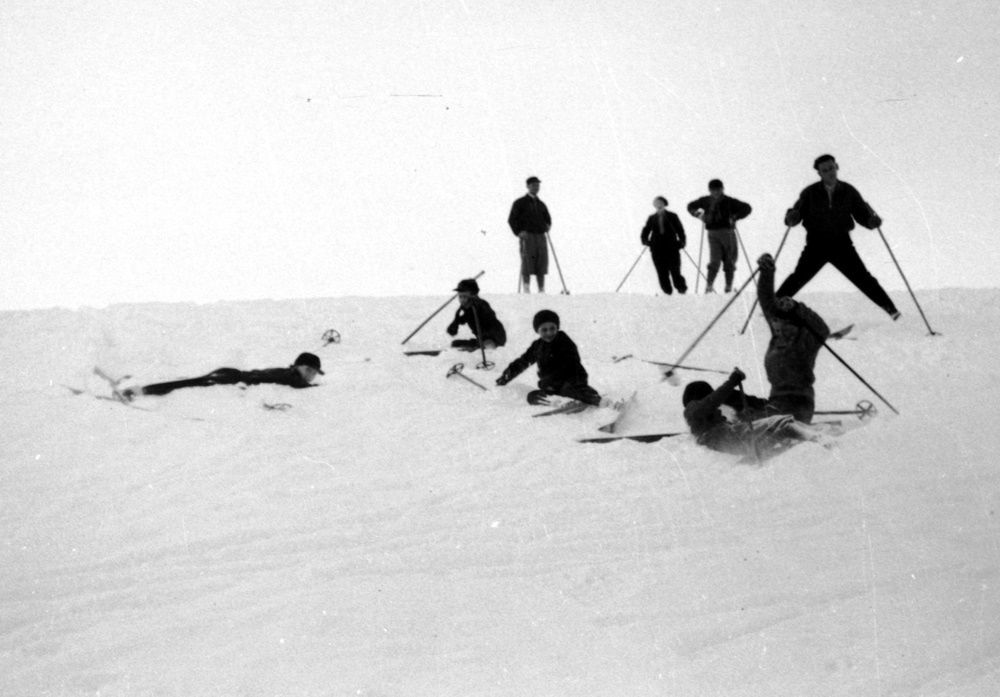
point(517, 366)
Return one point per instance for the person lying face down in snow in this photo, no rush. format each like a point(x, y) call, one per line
point(560, 371)
point(752, 434)
point(477, 313)
point(298, 375)
point(797, 335)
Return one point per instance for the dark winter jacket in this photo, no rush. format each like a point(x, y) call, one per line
point(491, 327)
point(529, 214)
point(672, 237)
point(829, 220)
point(721, 213)
point(711, 429)
point(796, 338)
point(558, 364)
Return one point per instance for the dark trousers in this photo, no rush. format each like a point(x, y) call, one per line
point(220, 376)
point(668, 266)
point(581, 393)
point(846, 260)
point(724, 250)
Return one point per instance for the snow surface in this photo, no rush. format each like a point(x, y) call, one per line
point(396, 532)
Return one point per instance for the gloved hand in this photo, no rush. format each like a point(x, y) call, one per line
point(875, 221)
point(766, 262)
point(452, 329)
point(792, 217)
point(683, 245)
point(503, 379)
point(737, 376)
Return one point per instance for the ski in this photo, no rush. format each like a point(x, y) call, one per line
point(571, 407)
point(636, 437)
point(427, 352)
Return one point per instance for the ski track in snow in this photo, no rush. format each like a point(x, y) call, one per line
point(397, 532)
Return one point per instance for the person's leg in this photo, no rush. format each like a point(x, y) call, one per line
point(812, 260)
point(581, 393)
point(662, 266)
point(730, 254)
point(540, 280)
point(715, 254)
point(847, 261)
point(674, 269)
point(222, 376)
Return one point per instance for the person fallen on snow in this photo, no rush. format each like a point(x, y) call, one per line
point(751, 434)
point(560, 371)
point(298, 375)
point(479, 316)
point(797, 335)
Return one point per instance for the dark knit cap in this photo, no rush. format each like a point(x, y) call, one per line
point(468, 285)
point(821, 159)
point(695, 391)
point(543, 316)
point(310, 360)
point(532, 180)
point(715, 184)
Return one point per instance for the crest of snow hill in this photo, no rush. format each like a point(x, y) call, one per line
point(455, 544)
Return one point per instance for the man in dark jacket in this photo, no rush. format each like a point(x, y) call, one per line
point(298, 375)
point(479, 316)
point(663, 233)
point(529, 220)
point(797, 335)
point(560, 371)
point(828, 210)
point(719, 213)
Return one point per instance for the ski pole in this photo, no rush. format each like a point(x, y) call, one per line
point(696, 268)
point(757, 300)
point(331, 336)
point(670, 373)
point(631, 269)
point(898, 268)
point(457, 370)
point(485, 365)
point(863, 409)
point(565, 290)
point(686, 367)
point(739, 238)
point(701, 246)
point(863, 381)
point(434, 314)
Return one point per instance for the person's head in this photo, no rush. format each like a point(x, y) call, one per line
point(308, 366)
point(546, 324)
point(695, 391)
point(783, 325)
point(827, 168)
point(533, 184)
point(467, 289)
point(715, 188)
point(659, 203)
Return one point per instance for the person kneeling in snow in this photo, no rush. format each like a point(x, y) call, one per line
point(298, 375)
point(752, 435)
point(797, 335)
point(560, 371)
point(477, 313)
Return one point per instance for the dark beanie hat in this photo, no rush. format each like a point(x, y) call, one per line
point(310, 360)
point(696, 390)
point(543, 316)
point(468, 285)
point(715, 184)
point(821, 159)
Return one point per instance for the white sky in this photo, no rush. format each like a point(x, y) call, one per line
point(206, 151)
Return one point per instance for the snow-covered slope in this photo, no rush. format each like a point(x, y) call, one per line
point(396, 532)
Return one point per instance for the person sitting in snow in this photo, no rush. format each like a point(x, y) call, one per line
point(560, 371)
point(752, 434)
point(298, 375)
point(477, 313)
point(797, 335)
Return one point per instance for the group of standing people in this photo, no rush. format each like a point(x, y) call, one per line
point(828, 210)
